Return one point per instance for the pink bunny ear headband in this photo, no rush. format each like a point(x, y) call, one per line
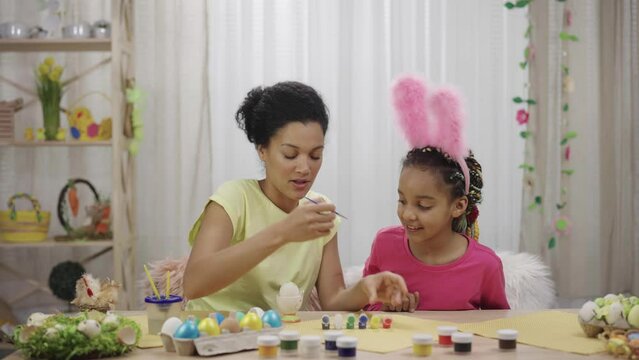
point(432, 120)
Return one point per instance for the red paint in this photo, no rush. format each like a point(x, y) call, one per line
point(445, 340)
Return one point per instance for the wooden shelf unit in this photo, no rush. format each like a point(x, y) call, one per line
point(54, 45)
point(122, 64)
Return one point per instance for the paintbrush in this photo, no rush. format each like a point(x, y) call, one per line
point(315, 202)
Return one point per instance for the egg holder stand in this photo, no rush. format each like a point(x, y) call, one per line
point(216, 345)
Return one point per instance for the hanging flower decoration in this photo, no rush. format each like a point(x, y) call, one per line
point(563, 225)
point(522, 117)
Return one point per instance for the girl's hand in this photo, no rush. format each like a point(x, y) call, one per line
point(307, 222)
point(409, 303)
point(385, 287)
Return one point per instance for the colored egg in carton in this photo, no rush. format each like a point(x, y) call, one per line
point(364, 321)
point(216, 334)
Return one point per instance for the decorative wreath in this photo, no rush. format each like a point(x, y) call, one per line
point(69, 205)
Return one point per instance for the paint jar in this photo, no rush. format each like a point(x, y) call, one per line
point(330, 341)
point(347, 347)
point(462, 342)
point(310, 346)
point(507, 339)
point(422, 344)
point(289, 340)
point(160, 309)
point(267, 346)
point(445, 333)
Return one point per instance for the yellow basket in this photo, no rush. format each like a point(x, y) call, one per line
point(25, 225)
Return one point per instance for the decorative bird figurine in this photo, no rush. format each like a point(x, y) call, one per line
point(28, 134)
point(40, 134)
point(61, 135)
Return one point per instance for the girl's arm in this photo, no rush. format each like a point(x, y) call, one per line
point(380, 287)
point(214, 263)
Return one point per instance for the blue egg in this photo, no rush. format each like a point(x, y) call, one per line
point(188, 330)
point(239, 316)
point(272, 318)
point(75, 133)
point(219, 317)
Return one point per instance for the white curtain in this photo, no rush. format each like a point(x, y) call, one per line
point(350, 51)
point(599, 256)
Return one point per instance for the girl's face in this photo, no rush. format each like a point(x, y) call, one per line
point(424, 207)
point(292, 160)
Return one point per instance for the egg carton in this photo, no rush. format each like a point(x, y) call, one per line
point(216, 345)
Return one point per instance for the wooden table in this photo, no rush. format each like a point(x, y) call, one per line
point(483, 348)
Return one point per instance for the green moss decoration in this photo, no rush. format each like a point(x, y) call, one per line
point(59, 338)
point(63, 278)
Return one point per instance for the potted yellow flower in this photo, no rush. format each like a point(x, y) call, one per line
point(50, 92)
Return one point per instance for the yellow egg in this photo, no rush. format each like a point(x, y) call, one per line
point(251, 321)
point(209, 326)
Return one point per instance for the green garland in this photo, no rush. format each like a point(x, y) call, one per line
point(67, 342)
point(561, 223)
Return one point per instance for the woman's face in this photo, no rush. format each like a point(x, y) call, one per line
point(292, 160)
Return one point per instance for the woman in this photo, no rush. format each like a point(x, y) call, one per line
point(255, 235)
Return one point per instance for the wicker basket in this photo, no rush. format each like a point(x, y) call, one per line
point(7, 115)
point(24, 225)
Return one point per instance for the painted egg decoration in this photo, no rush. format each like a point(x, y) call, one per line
point(272, 319)
point(258, 311)
point(209, 326)
point(218, 316)
point(171, 325)
point(251, 321)
point(188, 330)
point(239, 316)
point(230, 325)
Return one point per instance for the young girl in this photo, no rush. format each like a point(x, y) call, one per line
point(440, 184)
point(255, 235)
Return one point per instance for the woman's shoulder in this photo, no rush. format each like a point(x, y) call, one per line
point(237, 186)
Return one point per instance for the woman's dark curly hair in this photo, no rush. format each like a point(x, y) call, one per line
point(266, 110)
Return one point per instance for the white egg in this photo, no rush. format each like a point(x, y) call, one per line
point(37, 319)
point(110, 318)
point(90, 328)
point(51, 332)
point(127, 336)
point(289, 289)
point(587, 312)
point(258, 311)
point(170, 325)
point(614, 313)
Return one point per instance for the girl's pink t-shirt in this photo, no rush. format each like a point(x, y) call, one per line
point(474, 281)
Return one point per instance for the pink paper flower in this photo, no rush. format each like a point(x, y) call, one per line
point(568, 17)
point(522, 117)
point(567, 153)
point(562, 225)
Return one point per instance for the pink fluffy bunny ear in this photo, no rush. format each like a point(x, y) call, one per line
point(447, 108)
point(409, 100)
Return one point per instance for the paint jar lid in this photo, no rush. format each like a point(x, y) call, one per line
point(422, 339)
point(289, 335)
point(462, 338)
point(332, 335)
point(446, 330)
point(310, 341)
point(347, 342)
point(507, 334)
point(268, 340)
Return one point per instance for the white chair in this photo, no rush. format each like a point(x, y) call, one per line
point(529, 285)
